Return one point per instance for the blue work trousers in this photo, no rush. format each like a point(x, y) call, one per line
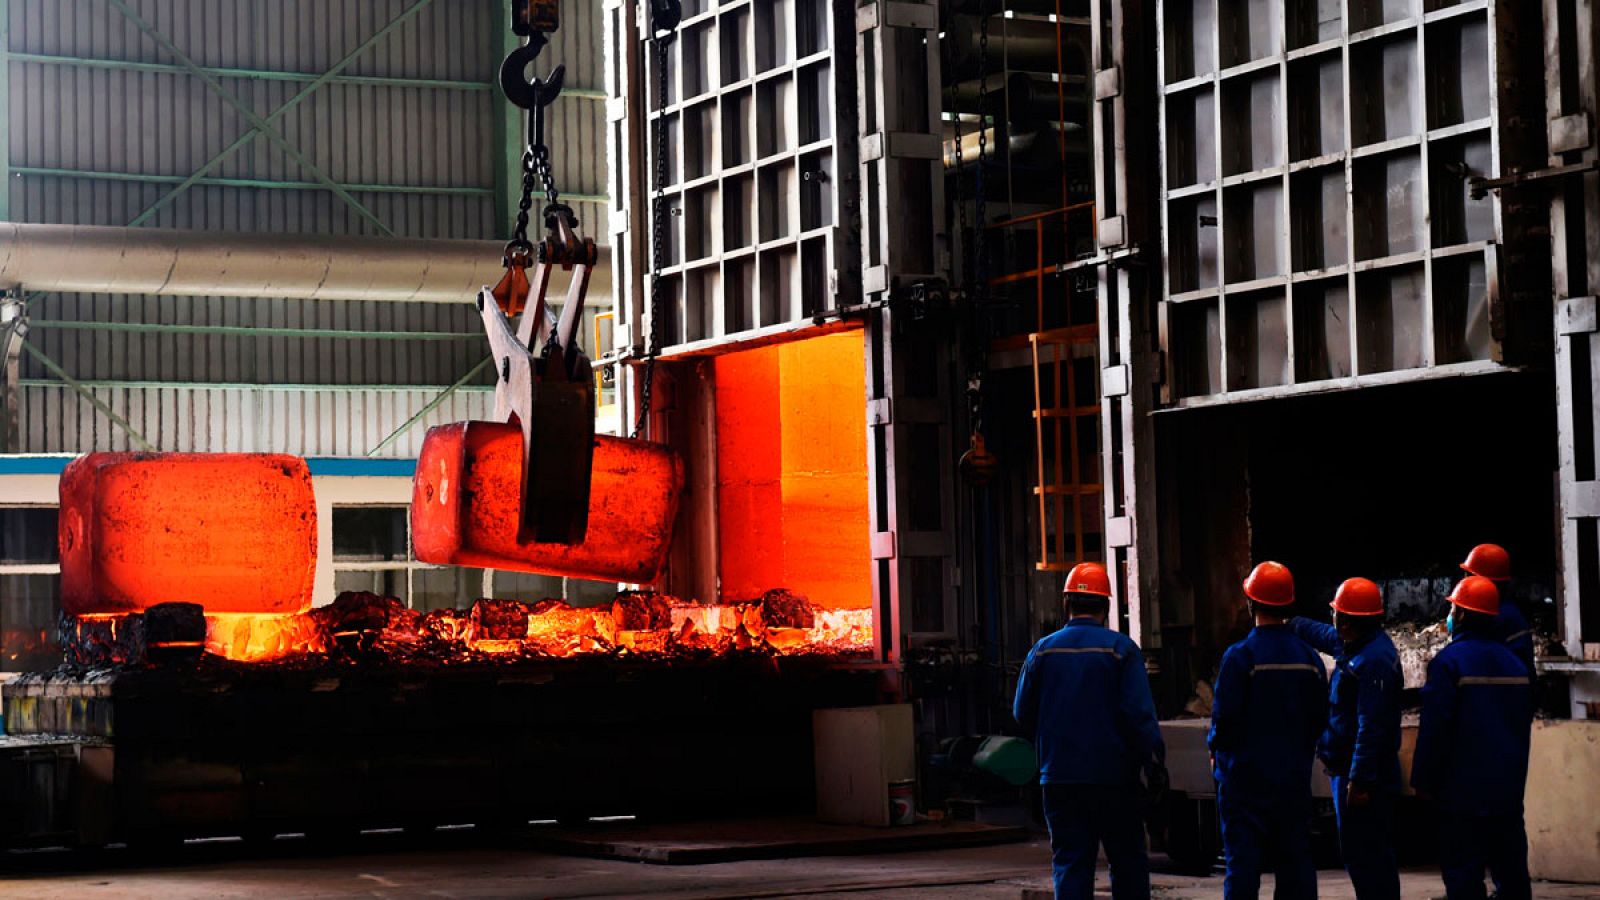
point(1081, 818)
point(1254, 826)
point(1366, 839)
point(1469, 844)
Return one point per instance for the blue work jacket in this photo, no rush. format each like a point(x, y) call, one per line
point(1514, 629)
point(1362, 740)
point(1477, 713)
point(1084, 698)
point(1270, 707)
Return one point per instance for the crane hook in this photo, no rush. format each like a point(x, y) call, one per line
point(535, 92)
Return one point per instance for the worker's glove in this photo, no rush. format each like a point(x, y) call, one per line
point(1357, 796)
point(1156, 783)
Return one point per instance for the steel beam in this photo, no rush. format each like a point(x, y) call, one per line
point(259, 124)
point(1572, 88)
point(243, 385)
point(385, 81)
point(1123, 37)
point(510, 136)
point(13, 331)
point(5, 110)
point(185, 182)
point(432, 405)
point(82, 390)
point(908, 362)
point(343, 334)
point(123, 65)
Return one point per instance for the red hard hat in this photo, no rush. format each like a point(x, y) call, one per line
point(1088, 578)
point(1270, 584)
point(1478, 594)
point(1358, 597)
point(1490, 561)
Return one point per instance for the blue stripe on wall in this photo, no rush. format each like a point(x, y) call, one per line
point(320, 465)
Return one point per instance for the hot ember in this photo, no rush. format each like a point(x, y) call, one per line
point(368, 627)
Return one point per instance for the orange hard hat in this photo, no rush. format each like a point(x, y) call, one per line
point(1490, 561)
point(1477, 594)
point(1358, 597)
point(1270, 584)
point(1088, 578)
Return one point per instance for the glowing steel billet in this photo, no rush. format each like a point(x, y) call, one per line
point(235, 532)
point(468, 487)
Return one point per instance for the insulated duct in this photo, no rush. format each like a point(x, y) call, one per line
point(91, 259)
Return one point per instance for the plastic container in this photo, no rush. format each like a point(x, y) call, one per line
point(903, 802)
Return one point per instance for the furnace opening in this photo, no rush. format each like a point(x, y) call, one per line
point(791, 471)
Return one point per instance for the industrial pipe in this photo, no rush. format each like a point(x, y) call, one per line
point(93, 259)
point(1023, 99)
point(1014, 44)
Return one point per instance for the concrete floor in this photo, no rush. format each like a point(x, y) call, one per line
point(468, 869)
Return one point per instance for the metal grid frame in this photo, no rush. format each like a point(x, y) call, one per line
point(1575, 244)
point(761, 162)
point(1126, 201)
point(1318, 230)
point(909, 429)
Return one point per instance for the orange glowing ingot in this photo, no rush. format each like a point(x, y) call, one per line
point(234, 532)
point(468, 488)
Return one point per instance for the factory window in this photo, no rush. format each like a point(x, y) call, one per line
point(372, 552)
point(30, 595)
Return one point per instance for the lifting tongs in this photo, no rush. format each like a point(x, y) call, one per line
point(545, 384)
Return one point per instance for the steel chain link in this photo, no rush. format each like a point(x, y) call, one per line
point(658, 217)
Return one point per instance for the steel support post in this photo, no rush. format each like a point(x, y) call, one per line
point(627, 128)
point(1125, 166)
point(13, 332)
point(909, 441)
point(1573, 108)
point(5, 110)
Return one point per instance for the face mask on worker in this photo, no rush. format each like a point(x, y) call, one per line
point(1451, 624)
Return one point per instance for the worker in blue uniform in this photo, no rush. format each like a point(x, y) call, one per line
point(1084, 697)
point(1361, 745)
point(1269, 708)
point(1472, 749)
point(1491, 561)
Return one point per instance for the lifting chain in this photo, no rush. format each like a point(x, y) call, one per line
point(960, 201)
point(978, 465)
point(980, 242)
point(664, 15)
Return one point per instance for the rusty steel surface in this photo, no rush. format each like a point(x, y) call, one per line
point(466, 506)
point(235, 532)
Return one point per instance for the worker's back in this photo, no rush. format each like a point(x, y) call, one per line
point(1477, 712)
point(1513, 627)
point(1086, 699)
point(1269, 709)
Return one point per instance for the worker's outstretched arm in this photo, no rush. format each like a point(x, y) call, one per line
point(1315, 699)
point(1433, 732)
point(1377, 720)
point(1320, 635)
point(1137, 710)
point(1025, 708)
point(1227, 705)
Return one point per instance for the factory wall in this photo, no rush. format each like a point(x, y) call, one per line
point(103, 124)
point(318, 421)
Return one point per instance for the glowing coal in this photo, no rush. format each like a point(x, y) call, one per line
point(366, 628)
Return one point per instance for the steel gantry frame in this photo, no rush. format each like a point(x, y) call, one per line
point(1124, 122)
